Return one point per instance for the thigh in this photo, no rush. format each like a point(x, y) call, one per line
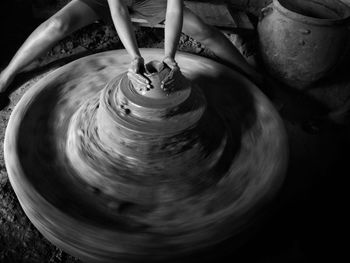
point(76, 14)
point(193, 25)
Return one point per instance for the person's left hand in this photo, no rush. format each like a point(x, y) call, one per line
point(168, 83)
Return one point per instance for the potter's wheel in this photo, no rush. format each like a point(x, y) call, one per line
point(158, 187)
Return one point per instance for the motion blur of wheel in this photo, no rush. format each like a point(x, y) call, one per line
point(112, 174)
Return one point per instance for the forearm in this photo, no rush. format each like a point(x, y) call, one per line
point(173, 26)
point(123, 25)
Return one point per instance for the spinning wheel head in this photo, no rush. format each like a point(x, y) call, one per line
point(143, 176)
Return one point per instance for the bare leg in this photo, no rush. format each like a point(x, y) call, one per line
point(213, 39)
point(73, 16)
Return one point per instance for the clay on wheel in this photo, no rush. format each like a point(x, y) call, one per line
point(109, 174)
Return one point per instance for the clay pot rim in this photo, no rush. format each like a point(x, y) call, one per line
point(312, 20)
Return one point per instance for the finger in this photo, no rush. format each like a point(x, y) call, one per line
point(168, 85)
point(138, 76)
point(168, 81)
point(137, 81)
point(142, 79)
point(168, 88)
point(168, 78)
point(164, 81)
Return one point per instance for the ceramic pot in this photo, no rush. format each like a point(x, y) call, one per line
point(302, 41)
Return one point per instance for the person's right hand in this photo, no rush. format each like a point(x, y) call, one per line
point(135, 74)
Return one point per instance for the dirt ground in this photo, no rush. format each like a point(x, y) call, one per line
point(309, 209)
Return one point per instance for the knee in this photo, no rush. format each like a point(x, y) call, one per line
point(57, 26)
